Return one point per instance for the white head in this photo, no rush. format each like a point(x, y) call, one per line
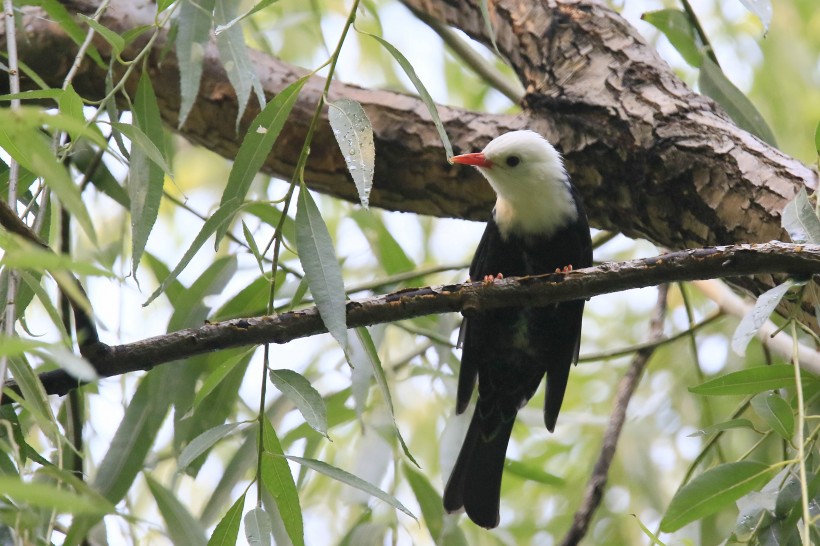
point(529, 179)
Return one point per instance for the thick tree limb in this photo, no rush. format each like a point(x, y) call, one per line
point(718, 262)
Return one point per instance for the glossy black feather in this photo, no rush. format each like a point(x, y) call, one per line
point(508, 351)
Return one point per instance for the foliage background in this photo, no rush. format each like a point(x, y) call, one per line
point(781, 74)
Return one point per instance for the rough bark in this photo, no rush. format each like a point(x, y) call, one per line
point(651, 158)
point(687, 265)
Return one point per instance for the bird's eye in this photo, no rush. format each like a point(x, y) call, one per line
point(513, 160)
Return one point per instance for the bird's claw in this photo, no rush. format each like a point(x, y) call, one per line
point(489, 279)
point(566, 269)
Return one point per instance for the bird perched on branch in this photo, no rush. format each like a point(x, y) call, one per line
point(538, 226)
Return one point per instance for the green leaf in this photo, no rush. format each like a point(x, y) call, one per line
point(71, 105)
point(143, 142)
point(256, 146)
point(84, 158)
point(254, 248)
point(35, 94)
point(353, 481)
point(260, 6)
point(74, 364)
point(217, 219)
point(181, 526)
point(391, 255)
point(234, 56)
point(488, 26)
point(800, 219)
point(322, 270)
point(21, 138)
point(191, 41)
point(725, 425)
point(678, 29)
point(227, 530)
point(204, 442)
point(218, 375)
point(429, 501)
point(134, 437)
point(422, 91)
point(278, 481)
point(817, 138)
point(776, 412)
point(258, 527)
point(47, 495)
point(714, 83)
point(114, 40)
point(749, 381)
point(363, 353)
point(713, 490)
point(34, 394)
point(67, 23)
point(754, 319)
point(307, 399)
point(354, 134)
point(147, 168)
point(533, 473)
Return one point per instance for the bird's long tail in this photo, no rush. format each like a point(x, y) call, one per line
point(475, 483)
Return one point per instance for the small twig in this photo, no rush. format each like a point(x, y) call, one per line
point(626, 388)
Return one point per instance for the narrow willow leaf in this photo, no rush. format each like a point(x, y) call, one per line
point(390, 253)
point(256, 145)
point(754, 319)
point(195, 18)
point(714, 490)
point(714, 83)
point(147, 168)
point(429, 501)
point(678, 29)
point(181, 526)
point(67, 22)
point(34, 395)
point(278, 481)
point(422, 91)
point(762, 9)
point(85, 158)
point(748, 381)
point(254, 248)
point(322, 270)
point(234, 56)
point(114, 40)
point(34, 94)
point(800, 219)
point(488, 25)
point(134, 437)
point(21, 138)
point(353, 481)
point(260, 6)
point(219, 218)
point(725, 425)
point(258, 528)
point(532, 473)
point(204, 442)
point(71, 104)
point(354, 134)
point(776, 412)
point(47, 495)
point(817, 138)
point(649, 534)
point(227, 530)
point(144, 142)
point(306, 399)
point(369, 356)
point(218, 375)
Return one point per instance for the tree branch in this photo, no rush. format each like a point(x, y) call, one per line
point(717, 262)
point(626, 388)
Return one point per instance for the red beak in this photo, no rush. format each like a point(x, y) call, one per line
point(476, 160)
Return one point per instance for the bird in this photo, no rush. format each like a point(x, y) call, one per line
point(538, 226)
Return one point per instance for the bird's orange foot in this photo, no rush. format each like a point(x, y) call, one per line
point(566, 269)
point(489, 279)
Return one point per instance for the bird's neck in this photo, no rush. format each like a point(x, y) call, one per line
point(535, 215)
